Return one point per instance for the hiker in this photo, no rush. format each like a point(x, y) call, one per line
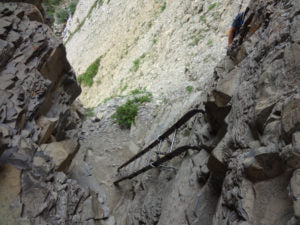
point(235, 27)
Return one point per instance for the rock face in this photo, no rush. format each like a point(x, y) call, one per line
point(164, 46)
point(37, 88)
point(251, 177)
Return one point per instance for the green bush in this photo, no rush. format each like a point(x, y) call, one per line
point(89, 112)
point(136, 64)
point(72, 7)
point(163, 7)
point(125, 114)
point(50, 7)
point(62, 15)
point(86, 78)
point(189, 89)
point(212, 6)
point(210, 43)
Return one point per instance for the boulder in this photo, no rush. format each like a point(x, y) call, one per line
point(295, 192)
point(10, 187)
point(263, 163)
point(296, 143)
point(61, 153)
point(216, 162)
point(226, 87)
point(291, 117)
point(47, 126)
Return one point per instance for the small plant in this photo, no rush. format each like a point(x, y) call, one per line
point(86, 78)
point(196, 40)
point(143, 56)
point(72, 7)
point(212, 6)
point(189, 89)
point(210, 43)
point(136, 65)
point(136, 92)
point(154, 41)
point(62, 15)
point(100, 2)
point(149, 24)
point(125, 114)
point(203, 19)
point(163, 7)
point(90, 148)
point(50, 7)
point(89, 112)
point(124, 88)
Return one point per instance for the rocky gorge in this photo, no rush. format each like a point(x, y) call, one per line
point(57, 165)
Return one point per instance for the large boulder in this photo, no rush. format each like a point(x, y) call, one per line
point(61, 153)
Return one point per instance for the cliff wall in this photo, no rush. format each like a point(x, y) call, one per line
point(37, 144)
point(252, 123)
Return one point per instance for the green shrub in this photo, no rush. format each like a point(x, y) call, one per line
point(210, 43)
point(212, 6)
point(125, 114)
point(89, 112)
point(189, 89)
point(50, 7)
point(62, 15)
point(136, 65)
point(203, 19)
point(124, 88)
point(86, 78)
point(163, 7)
point(72, 7)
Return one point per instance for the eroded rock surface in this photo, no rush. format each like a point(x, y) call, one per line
point(252, 125)
point(37, 138)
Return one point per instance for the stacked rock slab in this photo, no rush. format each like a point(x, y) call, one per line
point(259, 80)
point(37, 88)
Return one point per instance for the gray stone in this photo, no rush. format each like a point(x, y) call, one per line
point(295, 191)
point(264, 163)
point(291, 117)
point(61, 153)
point(296, 143)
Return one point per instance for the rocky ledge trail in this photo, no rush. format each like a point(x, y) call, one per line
point(57, 166)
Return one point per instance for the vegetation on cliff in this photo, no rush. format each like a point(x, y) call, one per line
point(125, 114)
point(87, 78)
